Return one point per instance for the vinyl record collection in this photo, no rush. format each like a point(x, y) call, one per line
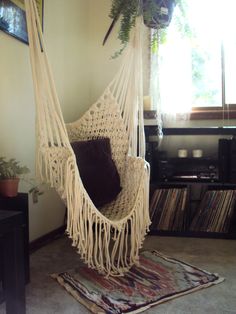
point(215, 211)
point(168, 210)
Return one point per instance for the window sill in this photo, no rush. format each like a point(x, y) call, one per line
point(199, 114)
point(212, 114)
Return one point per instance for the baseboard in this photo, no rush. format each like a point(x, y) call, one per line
point(45, 239)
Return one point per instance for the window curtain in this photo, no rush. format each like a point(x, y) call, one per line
point(170, 79)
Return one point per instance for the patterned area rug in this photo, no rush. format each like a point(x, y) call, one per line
point(157, 279)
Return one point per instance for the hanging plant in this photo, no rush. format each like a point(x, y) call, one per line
point(156, 14)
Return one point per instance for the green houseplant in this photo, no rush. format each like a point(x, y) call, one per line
point(156, 14)
point(10, 172)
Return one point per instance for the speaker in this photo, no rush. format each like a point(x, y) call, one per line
point(232, 161)
point(224, 159)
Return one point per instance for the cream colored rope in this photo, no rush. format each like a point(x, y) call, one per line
point(127, 88)
point(107, 239)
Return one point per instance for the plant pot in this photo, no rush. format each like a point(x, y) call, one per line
point(9, 187)
point(162, 18)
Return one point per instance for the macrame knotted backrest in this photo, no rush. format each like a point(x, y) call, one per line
point(103, 119)
point(126, 88)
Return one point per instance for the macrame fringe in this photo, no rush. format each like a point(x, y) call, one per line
point(111, 247)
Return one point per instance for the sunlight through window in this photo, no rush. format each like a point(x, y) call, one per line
point(198, 69)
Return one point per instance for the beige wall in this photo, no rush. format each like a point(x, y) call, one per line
point(66, 35)
point(102, 67)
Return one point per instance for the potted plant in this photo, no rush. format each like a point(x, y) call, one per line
point(156, 14)
point(10, 172)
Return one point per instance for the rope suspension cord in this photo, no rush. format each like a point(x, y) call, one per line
point(107, 239)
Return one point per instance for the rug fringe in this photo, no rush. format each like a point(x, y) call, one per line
point(89, 305)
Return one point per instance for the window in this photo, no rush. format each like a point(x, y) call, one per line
point(197, 69)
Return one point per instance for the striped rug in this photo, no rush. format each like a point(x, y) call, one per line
point(157, 279)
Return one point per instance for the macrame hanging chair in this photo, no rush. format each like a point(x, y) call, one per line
point(107, 239)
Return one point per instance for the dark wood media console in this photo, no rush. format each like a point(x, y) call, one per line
point(216, 193)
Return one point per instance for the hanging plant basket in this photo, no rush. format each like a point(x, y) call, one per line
point(158, 13)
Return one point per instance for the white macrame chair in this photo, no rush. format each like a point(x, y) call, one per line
point(107, 239)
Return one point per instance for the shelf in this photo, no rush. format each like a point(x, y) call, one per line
point(195, 131)
point(190, 159)
point(192, 234)
point(189, 182)
point(194, 198)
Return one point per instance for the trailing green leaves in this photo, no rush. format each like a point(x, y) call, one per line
point(156, 14)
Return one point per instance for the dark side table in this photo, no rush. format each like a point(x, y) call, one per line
point(11, 237)
point(19, 203)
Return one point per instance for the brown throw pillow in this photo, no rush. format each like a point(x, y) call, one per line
point(97, 170)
